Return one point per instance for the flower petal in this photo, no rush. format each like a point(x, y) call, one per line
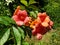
point(16, 11)
point(42, 16)
point(47, 19)
point(51, 23)
point(15, 18)
point(19, 23)
point(45, 24)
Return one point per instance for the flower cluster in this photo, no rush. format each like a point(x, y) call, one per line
point(39, 26)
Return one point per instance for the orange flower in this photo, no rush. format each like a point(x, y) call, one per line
point(33, 23)
point(20, 16)
point(39, 29)
point(44, 19)
point(16, 11)
point(42, 16)
point(42, 24)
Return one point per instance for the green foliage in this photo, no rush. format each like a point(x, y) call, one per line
point(17, 36)
point(21, 32)
point(5, 36)
point(32, 2)
point(34, 14)
point(24, 2)
point(4, 9)
point(25, 43)
point(28, 3)
point(6, 20)
point(55, 37)
point(53, 10)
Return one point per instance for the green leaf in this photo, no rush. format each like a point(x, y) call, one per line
point(10, 20)
point(5, 37)
point(33, 14)
point(22, 7)
point(6, 20)
point(32, 2)
point(17, 36)
point(36, 12)
point(3, 21)
point(24, 2)
point(25, 43)
point(21, 32)
point(4, 9)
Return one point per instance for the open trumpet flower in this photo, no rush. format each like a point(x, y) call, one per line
point(20, 16)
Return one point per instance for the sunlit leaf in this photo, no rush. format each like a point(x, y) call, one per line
point(17, 36)
point(5, 37)
point(32, 2)
point(21, 32)
point(33, 14)
point(24, 2)
point(36, 12)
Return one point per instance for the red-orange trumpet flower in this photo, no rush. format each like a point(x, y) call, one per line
point(20, 16)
